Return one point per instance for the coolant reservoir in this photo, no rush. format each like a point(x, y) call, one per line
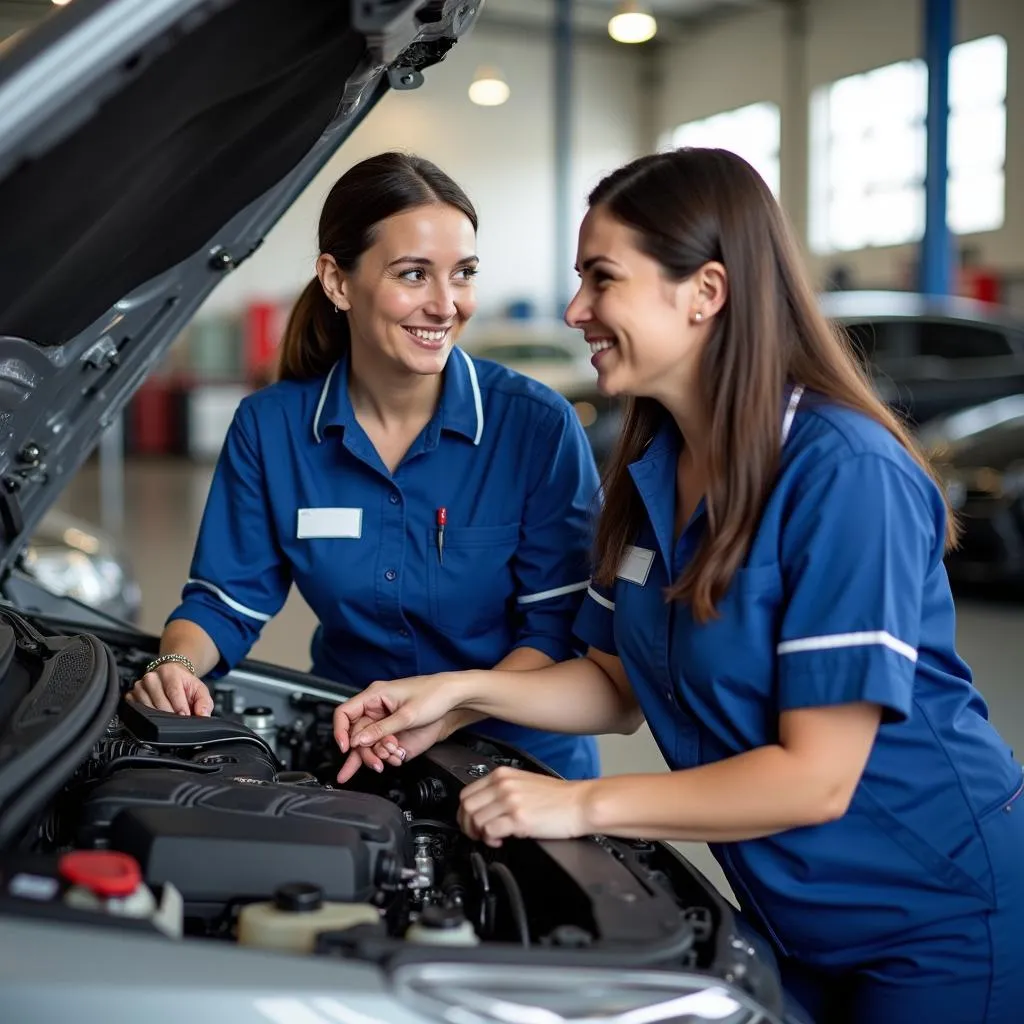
point(442, 926)
point(295, 916)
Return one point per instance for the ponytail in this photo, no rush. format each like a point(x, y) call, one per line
point(314, 338)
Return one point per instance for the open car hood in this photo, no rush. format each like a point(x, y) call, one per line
point(146, 148)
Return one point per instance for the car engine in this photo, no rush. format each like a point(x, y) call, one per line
point(234, 829)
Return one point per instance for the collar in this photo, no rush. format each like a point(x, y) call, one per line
point(654, 473)
point(461, 410)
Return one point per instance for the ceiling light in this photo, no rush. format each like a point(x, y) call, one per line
point(61, 3)
point(632, 23)
point(489, 89)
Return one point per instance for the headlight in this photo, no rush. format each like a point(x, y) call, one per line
point(91, 579)
point(500, 994)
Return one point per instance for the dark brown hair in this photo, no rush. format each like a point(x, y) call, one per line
point(687, 208)
point(365, 195)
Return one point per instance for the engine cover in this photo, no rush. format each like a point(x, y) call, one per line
point(226, 839)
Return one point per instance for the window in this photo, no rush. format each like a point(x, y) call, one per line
point(868, 144)
point(752, 132)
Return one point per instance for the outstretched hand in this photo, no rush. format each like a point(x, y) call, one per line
point(390, 722)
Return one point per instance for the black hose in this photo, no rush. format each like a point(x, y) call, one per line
point(137, 761)
point(515, 900)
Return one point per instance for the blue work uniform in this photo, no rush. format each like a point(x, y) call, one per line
point(301, 495)
point(914, 900)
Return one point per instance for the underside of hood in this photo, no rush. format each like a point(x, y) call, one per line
point(146, 147)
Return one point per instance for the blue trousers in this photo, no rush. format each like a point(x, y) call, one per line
point(965, 970)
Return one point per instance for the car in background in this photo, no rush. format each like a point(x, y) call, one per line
point(931, 356)
point(979, 455)
point(545, 350)
point(72, 558)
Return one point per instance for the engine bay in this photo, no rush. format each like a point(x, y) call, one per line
point(237, 828)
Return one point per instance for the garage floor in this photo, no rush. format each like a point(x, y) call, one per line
point(164, 502)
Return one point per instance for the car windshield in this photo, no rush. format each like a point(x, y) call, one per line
point(882, 341)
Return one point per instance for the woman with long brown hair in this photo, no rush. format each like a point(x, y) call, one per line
point(434, 510)
point(769, 593)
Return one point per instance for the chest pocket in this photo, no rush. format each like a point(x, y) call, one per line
point(470, 590)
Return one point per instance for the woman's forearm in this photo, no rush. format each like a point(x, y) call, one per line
point(753, 794)
point(184, 637)
point(576, 696)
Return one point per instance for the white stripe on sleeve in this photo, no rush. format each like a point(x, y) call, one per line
point(229, 601)
point(602, 601)
point(547, 595)
point(833, 641)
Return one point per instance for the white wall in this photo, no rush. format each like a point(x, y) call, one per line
point(503, 156)
point(746, 59)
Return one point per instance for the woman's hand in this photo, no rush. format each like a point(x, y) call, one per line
point(171, 687)
point(509, 802)
point(395, 721)
point(386, 751)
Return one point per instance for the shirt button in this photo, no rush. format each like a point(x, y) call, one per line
point(391, 575)
point(403, 633)
point(393, 498)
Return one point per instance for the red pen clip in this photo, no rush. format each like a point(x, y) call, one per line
point(442, 522)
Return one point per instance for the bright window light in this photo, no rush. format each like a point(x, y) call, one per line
point(752, 132)
point(868, 147)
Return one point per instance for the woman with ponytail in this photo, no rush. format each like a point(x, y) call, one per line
point(433, 510)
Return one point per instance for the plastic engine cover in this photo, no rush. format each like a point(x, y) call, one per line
point(224, 840)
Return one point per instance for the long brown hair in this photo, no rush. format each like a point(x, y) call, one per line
point(690, 207)
point(371, 191)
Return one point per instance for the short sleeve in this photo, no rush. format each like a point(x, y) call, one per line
point(239, 578)
point(552, 562)
point(857, 548)
point(595, 622)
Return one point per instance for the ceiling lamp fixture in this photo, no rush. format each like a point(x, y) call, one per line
point(489, 89)
point(632, 23)
point(61, 3)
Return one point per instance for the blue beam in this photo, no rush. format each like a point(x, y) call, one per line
point(563, 78)
point(936, 263)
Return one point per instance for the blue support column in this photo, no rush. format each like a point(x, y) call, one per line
point(936, 265)
point(563, 78)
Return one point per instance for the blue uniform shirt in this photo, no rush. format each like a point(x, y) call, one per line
point(843, 598)
point(300, 495)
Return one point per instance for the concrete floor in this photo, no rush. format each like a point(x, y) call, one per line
point(164, 502)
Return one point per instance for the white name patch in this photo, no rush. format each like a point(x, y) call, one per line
point(636, 565)
point(314, 523)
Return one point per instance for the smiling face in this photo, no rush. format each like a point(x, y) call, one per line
point(412, 291)
point(645, 331)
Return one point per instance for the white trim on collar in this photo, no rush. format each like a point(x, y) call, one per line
point(477, 400)
point(320, 405)
point(794, 401)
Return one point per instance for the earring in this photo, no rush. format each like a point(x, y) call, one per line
point(336, 310)
point(698, 316)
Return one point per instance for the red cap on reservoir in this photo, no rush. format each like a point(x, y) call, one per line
point(103, 872)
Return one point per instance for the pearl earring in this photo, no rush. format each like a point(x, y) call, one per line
point(336, 310)
point(698, 316)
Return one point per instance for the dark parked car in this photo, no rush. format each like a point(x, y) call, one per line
point(161, 868)
point(979, 453)
point(930, 357)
